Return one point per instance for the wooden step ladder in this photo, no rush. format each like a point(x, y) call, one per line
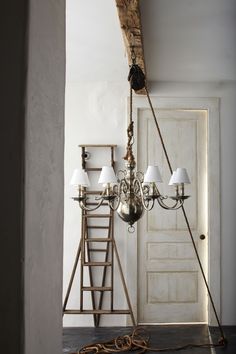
point(97, 252)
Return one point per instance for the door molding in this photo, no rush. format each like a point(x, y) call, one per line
point(211, 106)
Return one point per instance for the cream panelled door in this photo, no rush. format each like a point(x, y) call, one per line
point(170, 286)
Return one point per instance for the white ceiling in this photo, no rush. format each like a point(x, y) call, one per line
point(184, 40)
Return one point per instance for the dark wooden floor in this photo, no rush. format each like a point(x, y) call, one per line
point(160, 337)
point(230, 333)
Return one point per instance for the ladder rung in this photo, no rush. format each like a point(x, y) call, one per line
point(96, 288)
point(98, 227)
point(102, 312)
point(93, 192)
point(97, 216)
point(97, 264)
point(97, 250)
point(93, 169)
point(93, 203)
point(98, 146)
point(97, 239)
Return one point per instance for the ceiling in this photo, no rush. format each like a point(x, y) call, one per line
point(184, 40)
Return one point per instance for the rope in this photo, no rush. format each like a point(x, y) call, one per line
point(130, 130)
point(137, 340)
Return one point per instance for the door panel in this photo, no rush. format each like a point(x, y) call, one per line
point(170, 285)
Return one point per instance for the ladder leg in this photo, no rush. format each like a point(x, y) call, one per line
point(112, 157)
point(92, 284)
point(82, 263)
point(112, 260)
point(83, 157)
point(72, 277)
point(124, 285)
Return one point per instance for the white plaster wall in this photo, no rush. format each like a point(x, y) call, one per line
point(190, 51)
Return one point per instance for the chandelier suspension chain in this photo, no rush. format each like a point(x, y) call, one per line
point(131, 123)
point(186, 219)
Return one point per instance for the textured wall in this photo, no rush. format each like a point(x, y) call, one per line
point(44, 177)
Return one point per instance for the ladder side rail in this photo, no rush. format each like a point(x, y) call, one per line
point(112, 259)
point(81, 261)
point(72, 277)
point(124, 284)
point(90, 269)
point(108, 249)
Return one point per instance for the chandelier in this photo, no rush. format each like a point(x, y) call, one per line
point(131, 192)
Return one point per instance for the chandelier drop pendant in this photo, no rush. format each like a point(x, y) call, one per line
point(132, 192)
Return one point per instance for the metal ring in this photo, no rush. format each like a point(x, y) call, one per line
point(131, 229)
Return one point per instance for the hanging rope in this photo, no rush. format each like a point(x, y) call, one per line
point(130, 131)
point(133, 75)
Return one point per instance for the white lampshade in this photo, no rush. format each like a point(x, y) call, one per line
point(181, 176)
point(152, 175)
point(172, 179)
point(80, 177)
point(107, 175)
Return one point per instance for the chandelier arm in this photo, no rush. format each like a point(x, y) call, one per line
point(140, 176)
point(139, 184)
point(123, 183)
point(146, 189)
point(137, 187)
point(223, 338)
point(111, 203)
point(101, 196)
point(116, 193)
point(123, 172)
point(100, 199)
point(176, 206)
point(148, 204)
point(164, 206)
point(145, 201)
point(84, 207)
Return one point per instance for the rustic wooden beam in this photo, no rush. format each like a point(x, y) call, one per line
point(130, 22)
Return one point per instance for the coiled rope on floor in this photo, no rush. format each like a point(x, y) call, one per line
point(139, 340)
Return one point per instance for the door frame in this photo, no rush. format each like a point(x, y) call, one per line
point(211, 107)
